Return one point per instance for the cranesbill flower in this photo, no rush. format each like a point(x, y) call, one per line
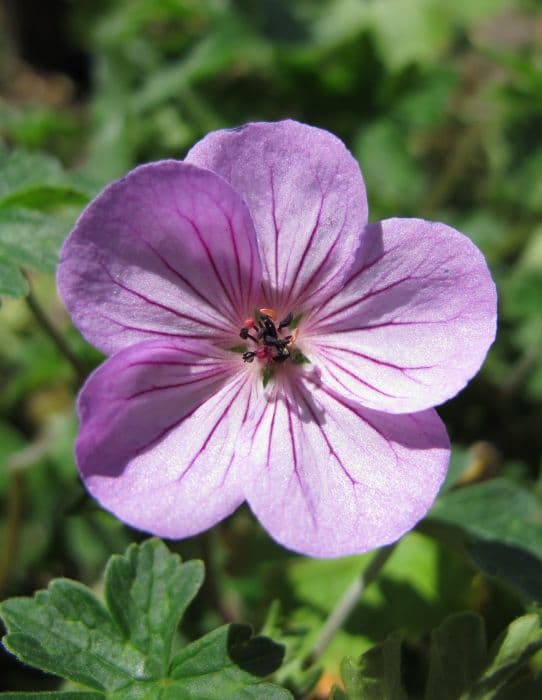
point(268, 345)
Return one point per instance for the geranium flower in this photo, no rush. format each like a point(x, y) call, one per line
point(268, 345)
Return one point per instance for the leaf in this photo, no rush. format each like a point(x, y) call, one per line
point(38, 206)
point(12, 283)
point(124, 651)
point(519, 568)
point(21, 170)
point(521, 640)
point(457, 656)
point(66, 630)
point(498, 510)
point(147, 592)
point(376, 675)
point(44, 197)
point(226, 661)
point(32, 239)
point(52, 695)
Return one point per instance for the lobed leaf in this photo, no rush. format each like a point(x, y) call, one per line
point(376, 675)
point(457, 656)
point(124, 651)
point(147, 591)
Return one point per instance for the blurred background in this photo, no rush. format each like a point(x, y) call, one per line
point(441, 102)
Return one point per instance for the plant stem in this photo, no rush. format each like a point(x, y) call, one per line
point(13, 519)
point(347, 603)
point(46, 325)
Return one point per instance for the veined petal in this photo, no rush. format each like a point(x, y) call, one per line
point(413, 322)
point(343, 479)
point(167, 251)
point(307, 199)
point(158, 435)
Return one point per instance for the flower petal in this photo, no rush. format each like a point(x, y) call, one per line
point(157, 441)
point(167, 251)
point(413, 322)
point(307, 199)
point(331, 479)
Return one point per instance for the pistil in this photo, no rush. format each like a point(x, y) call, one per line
point(268, 339)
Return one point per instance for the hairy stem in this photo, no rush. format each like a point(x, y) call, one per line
point(346, 604)
point(13, 519)
point(46, 325)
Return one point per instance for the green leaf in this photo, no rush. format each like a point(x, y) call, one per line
point(266, 376)
point(31, 239)
point(21, 170)
point(44, 197)
point(147, 592)
point(67, 631)
point(12, 283)
point(376, 675)
point(498, 510)
point(226, 661)
point(457, 656)
point(519, 568)
point(124, 651)
point(52, 695)
point(38, 206)
point(521, 640)
point(298, 358)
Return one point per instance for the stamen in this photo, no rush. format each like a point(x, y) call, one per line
point(286, 321)
point(269, 312)
point(270, 344)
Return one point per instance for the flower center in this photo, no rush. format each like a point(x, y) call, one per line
point(271, 344)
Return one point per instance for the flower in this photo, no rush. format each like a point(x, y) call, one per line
point(268, 345)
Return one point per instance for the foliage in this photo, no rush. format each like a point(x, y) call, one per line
point(460, 665)
point(442, 105)
point(125, 650)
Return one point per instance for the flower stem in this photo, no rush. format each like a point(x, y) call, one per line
point(46, 325)
point(347, 603)
point(13, 520)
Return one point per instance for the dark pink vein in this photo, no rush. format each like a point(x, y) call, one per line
point(211, 432)
point(296, 467)
point(203, 376)
point(374, 360)
point(275, 226)
point(363, 418)
point(350, 305)
point(327, 441)
point(357, 379)
point(184, 280)
point(385, 324)
point(205, 247)
point(308, 245)
point(153, 302)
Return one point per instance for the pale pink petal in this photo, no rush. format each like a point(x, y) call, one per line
point(307, 199)
point(414, 321)
point(157, 441)
point(330, 478)
point(167, 251)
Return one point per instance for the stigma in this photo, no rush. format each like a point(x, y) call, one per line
point(270, 343)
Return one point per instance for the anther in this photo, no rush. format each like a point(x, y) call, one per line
point(249, 356)
point(286, 321)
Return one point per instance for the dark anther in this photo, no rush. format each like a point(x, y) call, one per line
point(245, 334)
point(286, 321)
point(269, 326)
point(283, 355)
point(270, 340)
point(249, 356)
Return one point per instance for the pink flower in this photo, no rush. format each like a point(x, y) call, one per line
point(164, 270)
